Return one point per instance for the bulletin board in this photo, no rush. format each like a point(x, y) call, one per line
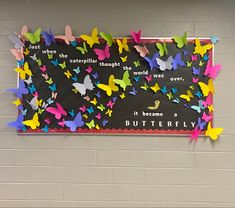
point(98, 84)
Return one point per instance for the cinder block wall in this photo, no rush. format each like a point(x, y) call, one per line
point(113, 171)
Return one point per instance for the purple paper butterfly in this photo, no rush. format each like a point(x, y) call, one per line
point(48, 37)
point(21, 90)
point(177, 61)
point(77, 122)
point(196, 71)
point(152, 62)
point(18, 123)
point(133, 92)
point(200, 124)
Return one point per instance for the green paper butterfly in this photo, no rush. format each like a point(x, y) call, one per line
point(162, 48)
point(181, 40)
point(137, 63)
point(124, 82)
point(83, 49)
point(33, 37)
point(108, 38)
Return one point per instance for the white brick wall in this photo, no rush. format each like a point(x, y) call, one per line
point(83, 171)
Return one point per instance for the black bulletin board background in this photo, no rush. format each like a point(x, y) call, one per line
point(123, 109)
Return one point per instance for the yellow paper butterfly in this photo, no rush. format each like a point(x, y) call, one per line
point(201, 49)
point(25, 71)
point(122, 45)
point(210, 108)
point(169, 95)
point(122, 96)
point(144, 87)
point(75, 90)
point(155, 88)
point(68, 74)
point(207, 88)
point(85, 116)
point(187, 96)
point(124, 59)
point(91, 40)
point(101, 107)
point(26, 52)
point(109, 112)
point(94, 101)
point(33, 123)
point(91, 124)
point(110, 87)
point(17, 102)
point(97, 127)
point(63, 65)
point(213, 133)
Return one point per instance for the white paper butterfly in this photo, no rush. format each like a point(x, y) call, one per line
point(87, 85)
point(163, 65)
point(33, 103)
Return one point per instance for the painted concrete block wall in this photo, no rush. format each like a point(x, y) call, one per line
point(114, 171)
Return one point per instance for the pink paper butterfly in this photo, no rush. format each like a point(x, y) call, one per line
point(43, 68)
point(110, 104)
point(54, 95)
point(98, 116)
point(194, 57)
point(35, 94)
point(68, 37)
point(143, 51)
point(89, 69)
point(47, 120)
point(195, 134)
point(19, 55)
point(206, 117)
point(136, 36)
point(208, 101)
point(58, 112)
point(212, 71)
point(149, 77)
point(45, 76)
point(195, 80)
point(61, 123)
point(83, 108)
point(102, 54)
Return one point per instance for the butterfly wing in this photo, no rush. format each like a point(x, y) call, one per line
point(108, 38)
point(88, 83)
point(126, 78)
point(61, 110)
point(71, 125)
point(78, 120)
point(48, 37)
point(100, 53)
point(186, 97)
point(160, 48)
point(161, 63)
point(121, 83)
point(169, 63)
point(18, 44)
point(143, 51)
point(136, 36)
point(69, 35)
point(213, 133)
point(17, 53)
point(80, 88)
point(212, 71)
